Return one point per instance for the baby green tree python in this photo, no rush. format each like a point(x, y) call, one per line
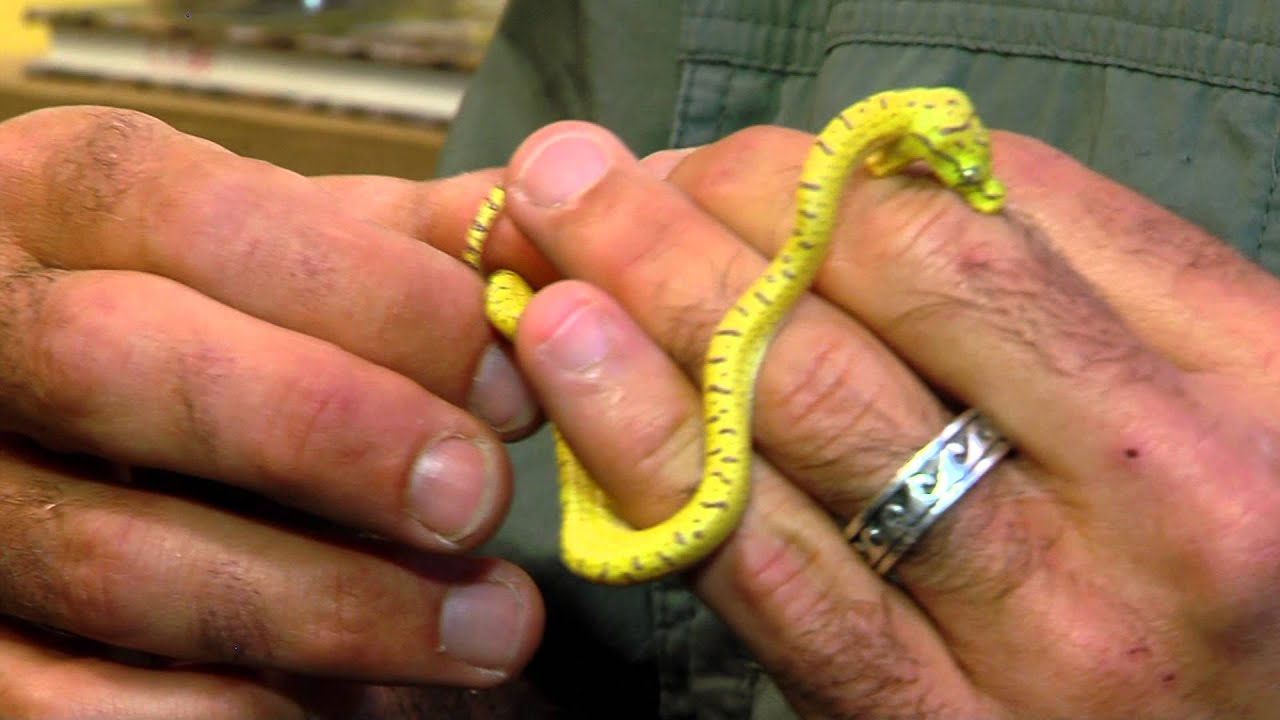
point(891, 130)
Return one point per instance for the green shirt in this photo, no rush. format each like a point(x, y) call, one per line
point(1176, 98)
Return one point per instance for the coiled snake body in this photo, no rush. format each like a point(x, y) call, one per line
point(891, 130)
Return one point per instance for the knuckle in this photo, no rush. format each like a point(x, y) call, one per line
point(688, 318)
point(814, 656)
point(1010, 532)
point(721, 167)
point(224, 218)
point(103, 159)
point(692, 306)
point(25, 328)
point(826, 421)
point(665, 445)
point(70, 353)
point(213, 203)
point(927, 234)
point(1014, 283)
point(309, 419)
point(99, 554)
point(348, 605)
point(228, 622)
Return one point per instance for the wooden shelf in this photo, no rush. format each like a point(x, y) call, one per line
point(308, 142)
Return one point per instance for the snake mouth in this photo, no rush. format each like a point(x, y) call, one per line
point(986, 195)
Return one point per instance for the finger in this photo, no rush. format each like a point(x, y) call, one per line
point(177, 578)
point(439, 212)
point(1182, 292)
point(112, 189)
point(144, 371)
point(839, 413)
point(37, 680)
point(847, 413)
point(838, 640)
point(984, 306)
point(644, 243)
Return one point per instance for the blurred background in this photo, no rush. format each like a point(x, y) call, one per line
point(317, 86)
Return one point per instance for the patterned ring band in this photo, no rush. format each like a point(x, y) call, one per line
point(924, 488)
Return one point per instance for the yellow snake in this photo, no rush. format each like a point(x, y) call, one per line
point(892, 130)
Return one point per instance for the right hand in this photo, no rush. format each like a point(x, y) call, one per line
point(166, 304)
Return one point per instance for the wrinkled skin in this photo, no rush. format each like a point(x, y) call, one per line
point(162, 298)
point(1122, 564)
point(168, 305)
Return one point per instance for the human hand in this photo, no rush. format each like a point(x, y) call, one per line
point(1121, 564)
point(166, 304)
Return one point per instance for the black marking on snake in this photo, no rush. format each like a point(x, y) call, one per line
point(718, 389)
point(728, 431)
point(492, 205)
point(713, 419)
point(635, 563)
point(928, 106)
point(679, 538)
point(698, 534)
point(628, 577)
point(924, 140)
point(805, 245)
point(825, 148)
point(716, 360)
point(728, 459)
point(714, 451)
point(669, 562)
point(762, 298)
point(884, 103)
point(729, 332)
point(742, 310)
point(810, 185)
point(953, 129)
point(604, 573)
point(479, 227)
point(716, 504)
point(788, 273)
point(808, 214)
point(845, 121)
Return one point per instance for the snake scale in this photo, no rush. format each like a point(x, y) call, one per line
point(890, 130)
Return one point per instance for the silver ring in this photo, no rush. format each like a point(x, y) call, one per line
point(924, 488)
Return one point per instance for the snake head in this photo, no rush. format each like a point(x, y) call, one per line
point(956, 146)
point(979, 188)
point(961, 160)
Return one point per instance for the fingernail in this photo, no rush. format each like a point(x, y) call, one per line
point(581, 341)
point(480, 624)
point(452, 488)
point(563, 168)
point(662, 162)
point(499, 395)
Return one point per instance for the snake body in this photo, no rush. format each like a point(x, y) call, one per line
point(891, 130)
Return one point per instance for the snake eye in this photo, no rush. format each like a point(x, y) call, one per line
point(970, 174)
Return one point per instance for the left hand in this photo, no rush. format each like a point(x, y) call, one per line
point(1122, 564)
